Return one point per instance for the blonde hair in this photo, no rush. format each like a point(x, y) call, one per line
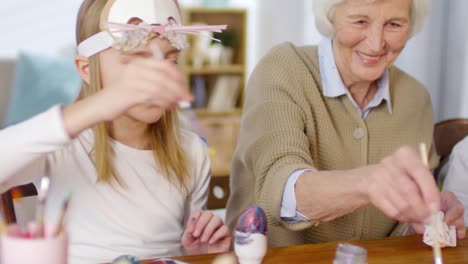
point(163, 136)
point(323, 13)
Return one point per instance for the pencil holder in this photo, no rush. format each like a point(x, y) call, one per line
point(17, 247)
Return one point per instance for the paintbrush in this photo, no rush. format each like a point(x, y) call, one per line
point(436, 251)
point(63, 212)
point(42, 196)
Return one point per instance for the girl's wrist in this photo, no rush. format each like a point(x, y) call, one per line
point(82, 115)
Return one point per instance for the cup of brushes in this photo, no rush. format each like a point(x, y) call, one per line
point(38, 242)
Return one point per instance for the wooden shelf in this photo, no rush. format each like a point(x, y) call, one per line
point(207, 113)
point(211, 70)
point(220, 172)
point(206, 76)
point(220, 128)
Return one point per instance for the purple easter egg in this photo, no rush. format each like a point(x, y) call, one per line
point(252, 221)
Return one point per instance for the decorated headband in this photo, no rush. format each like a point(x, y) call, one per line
point(126, 24)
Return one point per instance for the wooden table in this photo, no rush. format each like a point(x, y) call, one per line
point(405, 250)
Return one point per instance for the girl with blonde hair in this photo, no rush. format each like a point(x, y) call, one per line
point(140, 181)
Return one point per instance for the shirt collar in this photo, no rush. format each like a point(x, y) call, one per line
point(332, 85)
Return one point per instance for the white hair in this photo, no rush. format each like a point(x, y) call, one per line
point(323, 12)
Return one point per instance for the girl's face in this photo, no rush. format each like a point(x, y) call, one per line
point(113, 63)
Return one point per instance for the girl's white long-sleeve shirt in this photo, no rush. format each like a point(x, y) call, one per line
point(145, 217)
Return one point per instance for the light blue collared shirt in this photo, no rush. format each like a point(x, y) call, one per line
point(333, 87)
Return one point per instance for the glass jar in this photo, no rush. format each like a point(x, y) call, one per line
point(350, 254)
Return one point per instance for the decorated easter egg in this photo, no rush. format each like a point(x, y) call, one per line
point(125, 259)
point(166, 261)
point(252, 221)
point(250, 240)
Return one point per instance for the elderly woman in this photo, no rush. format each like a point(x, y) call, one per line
point(328, 137)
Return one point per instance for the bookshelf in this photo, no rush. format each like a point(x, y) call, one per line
point(218, 86)
point(216, 70)
point(209, 78)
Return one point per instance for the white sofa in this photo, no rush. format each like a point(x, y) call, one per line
point(7, 67)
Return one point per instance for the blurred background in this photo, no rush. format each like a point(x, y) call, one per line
point(437, 56)
point(37, 49)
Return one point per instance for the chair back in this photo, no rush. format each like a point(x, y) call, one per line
point(446, 135)
point(8, 209)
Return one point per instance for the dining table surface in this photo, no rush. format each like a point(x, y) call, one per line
point(406, 249)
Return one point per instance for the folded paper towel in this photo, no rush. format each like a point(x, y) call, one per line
point(447, 236)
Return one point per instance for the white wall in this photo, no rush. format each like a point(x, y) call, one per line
point(44, 26)
point(422, 56)
point(278, 21)
point(438, 57)
point(454, 88)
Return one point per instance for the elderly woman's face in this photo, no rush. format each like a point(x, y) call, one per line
point(369, 36)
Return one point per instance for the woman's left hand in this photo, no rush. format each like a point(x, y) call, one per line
point(453, 210)
point(205, 233)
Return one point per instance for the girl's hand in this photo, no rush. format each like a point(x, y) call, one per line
point(453, 210)
point(205, 233)
point(144, 81)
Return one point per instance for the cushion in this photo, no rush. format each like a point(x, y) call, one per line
point(40, 82)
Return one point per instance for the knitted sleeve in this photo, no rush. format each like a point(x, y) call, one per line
point(272, 143)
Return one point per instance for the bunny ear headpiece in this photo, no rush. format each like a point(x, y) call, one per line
point(126, 24)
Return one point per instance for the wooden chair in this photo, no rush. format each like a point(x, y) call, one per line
point(8, 209)
point(446, 135)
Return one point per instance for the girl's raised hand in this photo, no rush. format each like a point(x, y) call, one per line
point(144, 81)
